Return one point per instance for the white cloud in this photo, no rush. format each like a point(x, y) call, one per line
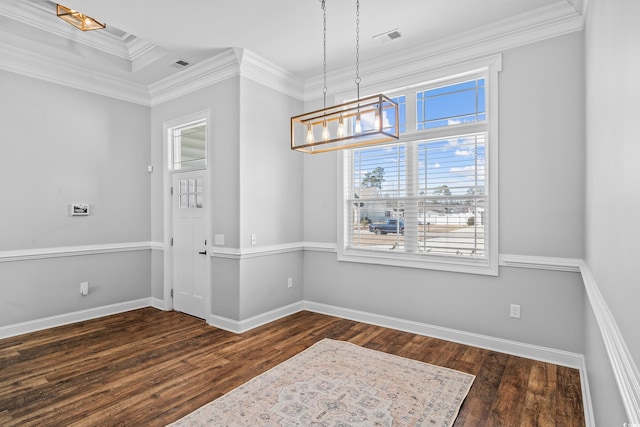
point(464, 153)
point(452, 142)
point(463, 169)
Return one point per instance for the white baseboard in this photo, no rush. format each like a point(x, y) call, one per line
point(157, 303)
point(240, 326)
point(76, 316)
point(543, 354)
point(587, 406)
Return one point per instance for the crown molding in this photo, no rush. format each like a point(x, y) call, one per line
point(402, 68)
point(112, 41)
point(142, 53)
point(540, 24)
point(263, 71)
point(580, 6)
point(229, 63)
point(53, 70)
point(214, 70)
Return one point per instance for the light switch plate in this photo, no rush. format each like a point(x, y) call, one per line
point(515, 311)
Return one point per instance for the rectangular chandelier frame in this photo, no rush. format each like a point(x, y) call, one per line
point(77, 19)
point(366, 121)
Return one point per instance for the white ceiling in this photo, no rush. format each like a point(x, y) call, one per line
point(144, 39)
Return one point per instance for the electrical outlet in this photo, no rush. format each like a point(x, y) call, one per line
point(254, 239)
point(515, 311)
point(219, 239)
point(290, 282)
point(84, 288)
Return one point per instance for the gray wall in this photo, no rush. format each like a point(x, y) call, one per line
point(270, 173)
point(542, 149)
point(551, 302)
point(270, 199)
point(263, 283)
point(613, 189)
point(63, 145)
point(541, 213)
point(58, 146)
point(43, 288)
point(223, 102)
point(256, 188)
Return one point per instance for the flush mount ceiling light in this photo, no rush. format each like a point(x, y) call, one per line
point(77, 19)
point(366, 121)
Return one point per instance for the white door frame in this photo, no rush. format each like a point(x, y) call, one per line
point(168, 208)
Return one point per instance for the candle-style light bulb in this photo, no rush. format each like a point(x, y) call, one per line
point(325, 131)
point(358, 128)
point(310, 138)
point(341, 127)
point(376, 120)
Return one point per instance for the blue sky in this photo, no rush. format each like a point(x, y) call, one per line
point(458, 163)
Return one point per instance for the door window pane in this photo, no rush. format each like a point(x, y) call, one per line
point(190, 193)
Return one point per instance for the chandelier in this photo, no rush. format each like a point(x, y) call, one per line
point(365, 121)
point(77, 19)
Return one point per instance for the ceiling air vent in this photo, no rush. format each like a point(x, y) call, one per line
point(181, 63)
point(388, 36)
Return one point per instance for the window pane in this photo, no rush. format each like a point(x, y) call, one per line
point(438, 209)
point(190, 193)
point(379, 172)
point(402, 115)
point(452, 167)
point(451, 105)
point(189, 147)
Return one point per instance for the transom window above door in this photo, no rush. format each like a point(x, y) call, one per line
point(189, 146)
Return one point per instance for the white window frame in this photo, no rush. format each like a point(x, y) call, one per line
point(487, 68)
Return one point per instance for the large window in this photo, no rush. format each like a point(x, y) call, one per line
point(427, 201)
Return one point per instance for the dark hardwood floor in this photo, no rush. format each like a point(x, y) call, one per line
point(149, 368)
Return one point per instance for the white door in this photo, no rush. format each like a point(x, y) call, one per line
point(190, 259)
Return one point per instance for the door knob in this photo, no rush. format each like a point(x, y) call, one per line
point(203, 253)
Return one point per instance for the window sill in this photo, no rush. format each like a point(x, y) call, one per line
point(482, 267)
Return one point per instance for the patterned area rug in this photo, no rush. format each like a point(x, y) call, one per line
point(336, 383)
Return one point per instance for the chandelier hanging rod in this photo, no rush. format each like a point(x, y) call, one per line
point(369, 121)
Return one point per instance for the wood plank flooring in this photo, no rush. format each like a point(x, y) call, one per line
point(149, 368)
